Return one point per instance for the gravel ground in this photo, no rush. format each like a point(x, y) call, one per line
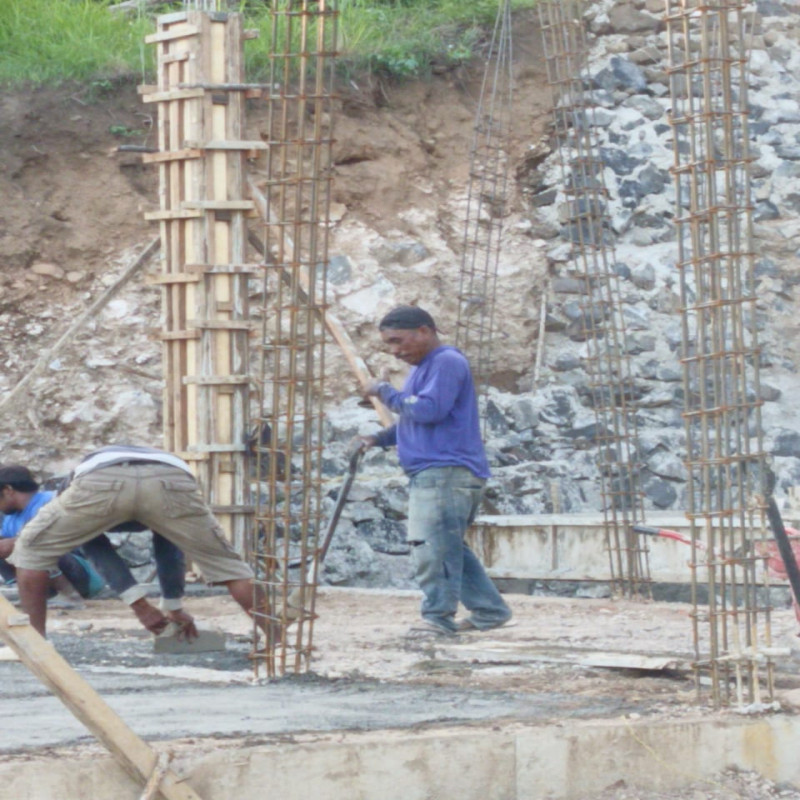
point(577, 648)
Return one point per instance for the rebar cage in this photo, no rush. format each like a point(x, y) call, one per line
point(289, 437)
point(727, 471)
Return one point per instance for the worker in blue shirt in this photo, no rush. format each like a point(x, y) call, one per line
point(439, 446)
point(20, 502)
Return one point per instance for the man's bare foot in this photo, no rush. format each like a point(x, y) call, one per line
point(150, 617)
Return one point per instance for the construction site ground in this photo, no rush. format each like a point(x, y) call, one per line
point(561, 660)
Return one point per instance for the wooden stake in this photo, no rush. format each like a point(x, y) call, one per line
point(136, 757)
point(540, 341)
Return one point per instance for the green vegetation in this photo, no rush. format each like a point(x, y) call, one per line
point(51, 41)
point(397, 38)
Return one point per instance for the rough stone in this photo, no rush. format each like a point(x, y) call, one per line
point(621, 74)
point(48, 270)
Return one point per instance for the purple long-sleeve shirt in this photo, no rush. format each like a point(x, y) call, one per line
point(438, 423)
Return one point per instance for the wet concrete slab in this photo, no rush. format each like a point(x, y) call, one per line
point(163, 697)
point(367, 675)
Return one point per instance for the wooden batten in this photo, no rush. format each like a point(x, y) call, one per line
point(180, 213)
point(203, 210)
point(232, 145)
point(172, 94)
point(177, 155)
point(174, 277)
point(180, 31)
point(133, 754)
point(210, 269)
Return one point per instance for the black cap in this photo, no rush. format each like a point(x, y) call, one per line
point(407, 318)
point(17, 477)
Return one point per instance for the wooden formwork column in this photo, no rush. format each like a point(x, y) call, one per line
point(202, 218)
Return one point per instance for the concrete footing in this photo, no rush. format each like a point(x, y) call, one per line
point(499, 761)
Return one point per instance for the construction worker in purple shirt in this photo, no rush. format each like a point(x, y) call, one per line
point(439, 446)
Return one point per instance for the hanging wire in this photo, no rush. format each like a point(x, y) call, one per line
point(612, 392)
point(487, 203)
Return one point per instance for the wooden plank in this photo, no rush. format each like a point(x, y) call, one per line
point(225, 87)
point(171, 58)
point(180, 31)
point(220, 205)
point(173, 277)
point(172, 17)
point(172, 94)
point(218, 448)
point(171, 336)
point(635, 661)
point(216, 144)
point(136, 757)
point(214, 380)
point(226, 324)
point(181, 213)
point(225, 269)
point(173, 155)
point(187, 456)
point(233, 509)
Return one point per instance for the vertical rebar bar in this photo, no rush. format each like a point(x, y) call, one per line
point(487, 202)
point(587, 226)
point(720, 357)
point(292, 340)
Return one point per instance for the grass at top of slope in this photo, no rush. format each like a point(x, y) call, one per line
point(54, 41)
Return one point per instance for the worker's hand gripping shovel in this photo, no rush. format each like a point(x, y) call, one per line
point(296, 601)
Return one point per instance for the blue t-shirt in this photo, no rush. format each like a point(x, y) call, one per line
point(14, 522)
point(438, 422)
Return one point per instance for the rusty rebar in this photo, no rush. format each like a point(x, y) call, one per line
point(720, 352)
point(289, 439)
point(487, 202)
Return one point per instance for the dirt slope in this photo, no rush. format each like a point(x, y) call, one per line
point(72, 220)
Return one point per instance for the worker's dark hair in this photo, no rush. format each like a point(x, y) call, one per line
point(17, 477)
point(407, 318)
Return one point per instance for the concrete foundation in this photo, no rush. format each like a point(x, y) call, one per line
point(572, 547)
point(497, 761)
point(577, 695)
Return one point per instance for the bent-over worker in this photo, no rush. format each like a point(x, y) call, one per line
point(21, 499)
point(119, 484)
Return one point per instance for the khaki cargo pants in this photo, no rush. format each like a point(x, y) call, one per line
point(162, 497)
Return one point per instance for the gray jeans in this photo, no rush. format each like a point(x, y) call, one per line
point(442, 504)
